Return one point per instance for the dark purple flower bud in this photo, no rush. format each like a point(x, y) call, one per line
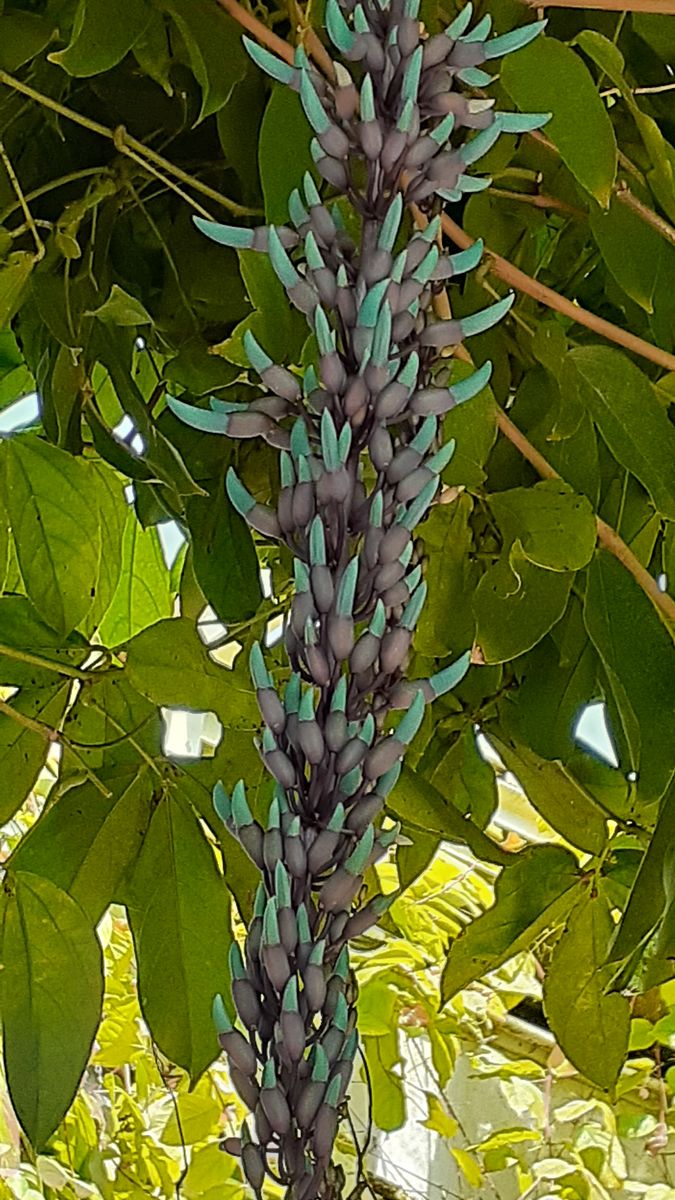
point(246, 1088)
point(273, 1101)
point(231, 1145)
point(393, 543)
point(380, 448)
point(253, 1162)
point(364, 812)
point(340, 889)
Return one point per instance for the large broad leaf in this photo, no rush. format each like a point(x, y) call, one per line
point(169, 664)
point(224, 559)
point(103, 32)
point(535, 892)
point(52, 990)
point(516, 603)
point(632, 249)
point(556, 528)
point(383, 1056)
point(421, 806)
point(567, 806)
point(15, 273)
point(143, 594)
point(473, 425)
point(648, 897)
point(590, 1025)
point(86, 842)
point(25, 641)
point(446, 625)
point(284, 124)
point(52, 503)
point(461, 775)
point(112, 515)
point(22, 36)
point(215, 52)
point(549, 77)
point(280, 330)
point(639, 659)
point(624, 406)
point(179, 911)
point(23, 749)
point(547, 716)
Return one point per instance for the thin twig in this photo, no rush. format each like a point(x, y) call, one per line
point(539, 200)
point(50, 664)
point(128, 145)
point(21, 200)
point(640, 91)
point(53, 736)
point(265, 36)
point(53, 184)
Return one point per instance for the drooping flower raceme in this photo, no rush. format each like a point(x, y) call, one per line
point(360, 465)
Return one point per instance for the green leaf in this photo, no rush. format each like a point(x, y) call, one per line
point(225, 562)
point(516, 603)
point(473, 425)
point(567, 806)
point(179, 912)
point(22, 634)
point(438, 1118)
point(23, 751)
point(52, 990)
point(625, 407)
point(23, 35)
point(446, 626)
point(639, 659)
point(657, 30)
point(284, 125)
point(591, 1026)
point(382, 1055)
point(143, 594)
point(239, 129)
point(15, 273)
point(56, 528)
point(170, 665)
point(530, 897)
point(213, 43)
point(122, 309)
point(633, 251)
point(421, 806)
point(193, 1119)
point(278, 328)
point(549, 77)
point(648, 896)
point(103, 32)
point(546, 715)
point(462, 776)
point(556, 528)
point(85, 842)
point(113, 513)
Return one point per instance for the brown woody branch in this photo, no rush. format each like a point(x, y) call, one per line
point(517, 279)
point(665, 7)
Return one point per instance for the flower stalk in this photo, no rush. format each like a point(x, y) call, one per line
point(361, 457)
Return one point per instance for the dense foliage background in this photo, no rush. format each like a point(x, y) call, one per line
point(119, 119)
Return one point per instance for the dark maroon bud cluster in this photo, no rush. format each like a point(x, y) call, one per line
point(360, 465)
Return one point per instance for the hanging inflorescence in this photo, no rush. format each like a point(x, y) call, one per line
point(360, 466)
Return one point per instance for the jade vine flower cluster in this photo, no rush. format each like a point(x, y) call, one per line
point(360, 465)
